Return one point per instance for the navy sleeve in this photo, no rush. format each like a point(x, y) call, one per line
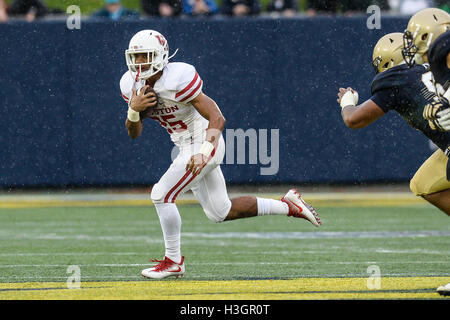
point(448, 170)
point(385, 99)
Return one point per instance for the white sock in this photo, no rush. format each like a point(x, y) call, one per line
point(271, 207)
point(170, 220)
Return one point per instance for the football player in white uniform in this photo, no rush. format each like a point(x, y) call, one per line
point(171, 94)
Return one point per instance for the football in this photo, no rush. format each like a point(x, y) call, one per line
point(146, 113)
point(148, 90)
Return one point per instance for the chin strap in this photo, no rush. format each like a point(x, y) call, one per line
point(173, 54)
point(137, 74)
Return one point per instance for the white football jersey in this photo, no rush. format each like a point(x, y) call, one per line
point(178, 85)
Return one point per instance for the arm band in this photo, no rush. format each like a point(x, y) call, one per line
point(206, 148)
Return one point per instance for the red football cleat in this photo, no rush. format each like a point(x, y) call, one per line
point(298, 208)
point(165, 268)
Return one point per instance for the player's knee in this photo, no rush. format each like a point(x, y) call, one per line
point(214, 218)
point(158, 193)
point(218, 212)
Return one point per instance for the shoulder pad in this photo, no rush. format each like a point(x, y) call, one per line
point(184, 80)
point(437, 56)
point(126, 85)
point(398, 76)
point(177, 72)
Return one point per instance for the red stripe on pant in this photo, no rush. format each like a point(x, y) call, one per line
point(166, 199)
point(176, 194)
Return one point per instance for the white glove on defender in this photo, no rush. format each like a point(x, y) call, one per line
point(349, 99)
point(443, 119)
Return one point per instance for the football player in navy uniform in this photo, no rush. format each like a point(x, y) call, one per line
point(438, 114)
point(407, 90)
point(423, 29)
point(439, 59)
point(419, 95)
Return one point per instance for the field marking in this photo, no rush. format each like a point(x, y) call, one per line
point(137, 276)
point(220, 263)
point(26, 254)
point(319, 234)
point(337, 199)
point(79, 237)
point(269, 289)
point(5, 235)
point(244, 252)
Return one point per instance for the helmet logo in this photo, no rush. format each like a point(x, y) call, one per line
point(161, 39)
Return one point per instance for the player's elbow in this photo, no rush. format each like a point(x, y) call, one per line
point(353, 122)
point(222, 121)
point(219, 122)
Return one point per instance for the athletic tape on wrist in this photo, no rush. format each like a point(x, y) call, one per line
point(132, 115)
point(349, 99)
point(206, 148)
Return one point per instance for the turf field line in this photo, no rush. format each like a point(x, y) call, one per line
point(319, 234)
point(314, 292)
point(238, 235)
point(239, 289)
point(64, 278)
point(120, 265)
point(275, 252)
point(39, 289)
point(79, 237)
point(214, 277)
point(25, 254)
point(338, 199)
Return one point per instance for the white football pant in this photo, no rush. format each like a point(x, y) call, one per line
point(208, 187)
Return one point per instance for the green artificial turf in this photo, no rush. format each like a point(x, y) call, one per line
point(115, 243)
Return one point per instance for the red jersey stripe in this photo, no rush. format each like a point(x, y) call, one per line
point(180, 93)
point(192, 92)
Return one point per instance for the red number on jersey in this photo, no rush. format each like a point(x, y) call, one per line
point(176, 126)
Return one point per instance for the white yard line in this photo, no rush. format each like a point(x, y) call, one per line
point(319, 235)
point(221, 263)
point(214, 277)
point(4, 235)
point(323, 251)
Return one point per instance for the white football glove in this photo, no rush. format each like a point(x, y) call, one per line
point(350, 98)
point(443, 119)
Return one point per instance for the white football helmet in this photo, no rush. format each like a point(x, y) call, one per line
point(155, 46)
